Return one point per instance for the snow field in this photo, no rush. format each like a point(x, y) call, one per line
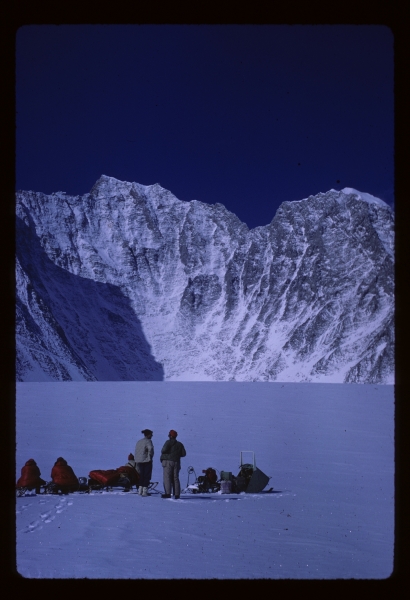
point(329, 449)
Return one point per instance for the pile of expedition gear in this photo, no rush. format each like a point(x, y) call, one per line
point(64, 480)
point(250, 479)
point(30, 479)
point(124, 477)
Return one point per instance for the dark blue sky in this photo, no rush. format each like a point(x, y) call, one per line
point(248, 116)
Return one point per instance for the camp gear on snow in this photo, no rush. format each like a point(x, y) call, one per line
point(55, 488)
point(83, 484)
point(129, 472)
point(125, 476)
point(227, 482)
point(104, 477)
point(30, 478)
point(250, 479)
point(30, 491)
point(204, 483)
point(208, 481)
point(63, 478)
point(226, 487)
point(210, 475)
point(62, 474)
point(108, 480)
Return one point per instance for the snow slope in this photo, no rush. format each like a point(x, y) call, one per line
point(328, 448)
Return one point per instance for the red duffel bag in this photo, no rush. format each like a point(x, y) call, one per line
point(108, 477)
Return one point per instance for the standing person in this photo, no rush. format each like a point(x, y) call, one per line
point(144, 452)
point(171, 454)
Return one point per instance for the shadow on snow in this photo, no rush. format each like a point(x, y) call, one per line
point(93, 323)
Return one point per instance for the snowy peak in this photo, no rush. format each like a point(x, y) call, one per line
point(365, 197)
point(109, 186)
point(142, 285)
point(342, 196)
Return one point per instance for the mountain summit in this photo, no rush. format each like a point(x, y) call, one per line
point(129, 283)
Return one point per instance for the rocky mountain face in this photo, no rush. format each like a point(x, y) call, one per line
point(129, 283)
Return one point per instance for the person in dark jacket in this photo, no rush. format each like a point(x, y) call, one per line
point(30, 477)
point(63, 477)
point(171, 454)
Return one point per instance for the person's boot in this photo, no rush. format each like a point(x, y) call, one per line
point(165, 495)
point(144, 491)
point(140, 490)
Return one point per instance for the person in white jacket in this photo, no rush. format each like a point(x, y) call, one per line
point(144, 452)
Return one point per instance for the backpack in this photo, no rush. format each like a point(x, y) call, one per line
point(211, 475)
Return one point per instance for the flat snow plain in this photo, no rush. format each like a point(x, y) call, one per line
point(328, 448)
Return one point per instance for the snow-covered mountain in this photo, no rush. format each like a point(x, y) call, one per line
point(130, 283)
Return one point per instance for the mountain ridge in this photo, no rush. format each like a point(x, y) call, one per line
point(308, 297)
